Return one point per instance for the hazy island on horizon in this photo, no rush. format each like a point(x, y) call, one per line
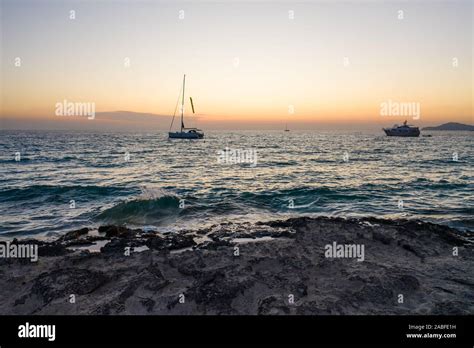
point(451, 126)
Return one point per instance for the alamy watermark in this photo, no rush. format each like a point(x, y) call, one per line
point(394, 108)
point(234, 156)
point(67, 108)
point(346, 251)
point(28, 330)
point(19, 251)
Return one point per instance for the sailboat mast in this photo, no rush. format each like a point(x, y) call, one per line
point(182, 103)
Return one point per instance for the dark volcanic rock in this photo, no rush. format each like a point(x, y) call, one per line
point(215, 244)
point(53, 249)
point(272, 305)
point(432, 266)
point(178, 241)
point(118, 245)
point(75, 234)
point(117, 231)
point(156, 242)
point(192, 267)
point(115, 246)
point(214, 290)
point(381, 237)
point(64, 282)
point(170, 242)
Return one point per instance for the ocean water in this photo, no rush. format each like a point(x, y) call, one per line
point(181, 184)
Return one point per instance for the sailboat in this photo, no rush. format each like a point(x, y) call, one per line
point(286, 128)
point(185, 133)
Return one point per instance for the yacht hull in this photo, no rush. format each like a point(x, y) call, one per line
point(397, 133)
point(185, 135)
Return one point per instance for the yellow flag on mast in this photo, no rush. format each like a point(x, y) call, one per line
point(192, 105)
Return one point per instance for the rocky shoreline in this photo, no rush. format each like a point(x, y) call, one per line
point(275, 267)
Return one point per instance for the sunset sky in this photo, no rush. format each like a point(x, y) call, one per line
point(246, 62)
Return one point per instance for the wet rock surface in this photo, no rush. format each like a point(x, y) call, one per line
point(268, 268)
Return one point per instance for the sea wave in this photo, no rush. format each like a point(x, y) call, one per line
point(152, 205)
point(156, 205)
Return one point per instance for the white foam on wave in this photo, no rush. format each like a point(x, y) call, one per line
point(154, 192)
point(306, 205)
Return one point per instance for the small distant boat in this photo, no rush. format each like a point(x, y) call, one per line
point(402, 131)
point(185, 133)
point(286, 128)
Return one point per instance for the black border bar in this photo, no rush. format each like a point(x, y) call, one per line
point(224, 330)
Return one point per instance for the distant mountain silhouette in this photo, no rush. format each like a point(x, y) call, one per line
point(103, 121)
point(451, 126)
